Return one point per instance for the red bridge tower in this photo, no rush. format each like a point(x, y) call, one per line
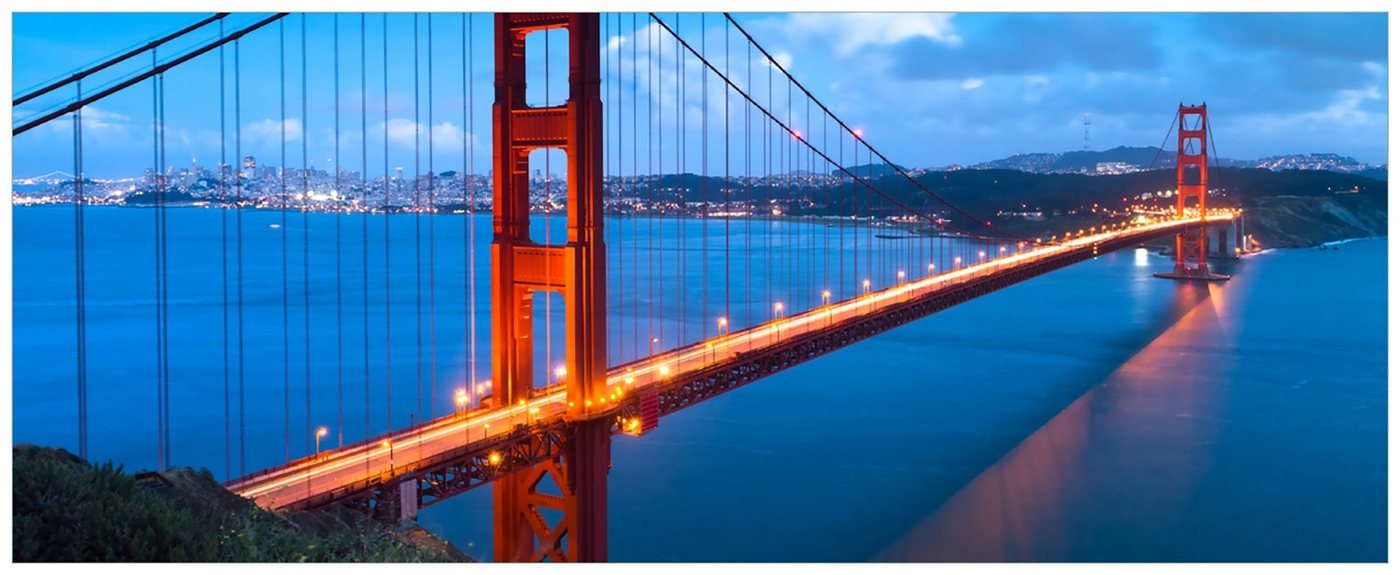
point(574, 269)
point(1192, 244)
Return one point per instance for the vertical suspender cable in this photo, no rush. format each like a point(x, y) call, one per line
point(282, 207)
point(339, 206)
point(790, 253)
point(727, 188)
point(468, 98)
point(653, 134)
point(841, 221)
point(748, 183)
point(620, 251)
point(364, 225)
point(417, 226)
point(155, 194)
point(223, 219)
point(80, 274)
point(238, 211)
point(704, 189)
point(613, 265)
point(770, 265)
point(432, 225)
point(682, 188)
point(388, 311)
point(164, 279)
point(636, 172)
point(305, 248)
point(826, 229)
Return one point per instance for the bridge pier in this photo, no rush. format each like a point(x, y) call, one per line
point(397, 502)
point(558, 510)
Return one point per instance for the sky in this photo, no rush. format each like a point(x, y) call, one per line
point(927, 90)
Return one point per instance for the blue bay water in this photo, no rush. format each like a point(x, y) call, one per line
point(1095, 413)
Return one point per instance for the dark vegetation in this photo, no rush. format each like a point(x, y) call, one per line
point(67, 510)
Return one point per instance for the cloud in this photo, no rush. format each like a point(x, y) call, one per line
point(446, 136)
point(1036, 44)
point(851, 32)
point(1313, 35)
point(972, 83)
point(97, 123)
point(97, 119)
point(270, 131)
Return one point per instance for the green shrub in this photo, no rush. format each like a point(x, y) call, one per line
point(68, 510)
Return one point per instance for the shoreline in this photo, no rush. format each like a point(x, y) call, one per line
point(911, 230)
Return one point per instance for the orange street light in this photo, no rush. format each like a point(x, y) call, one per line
point(320, 432)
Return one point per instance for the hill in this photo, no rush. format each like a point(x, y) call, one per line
point(67, 510)
point(1082, 161)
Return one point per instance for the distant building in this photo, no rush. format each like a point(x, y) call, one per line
point(1111, 168)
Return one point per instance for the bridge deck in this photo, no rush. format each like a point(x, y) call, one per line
point(359, 467)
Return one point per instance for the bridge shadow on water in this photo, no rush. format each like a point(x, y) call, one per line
point(1045, 500)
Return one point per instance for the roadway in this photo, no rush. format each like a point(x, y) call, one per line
point(398, 452)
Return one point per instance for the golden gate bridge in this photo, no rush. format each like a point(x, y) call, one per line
point(539, 432)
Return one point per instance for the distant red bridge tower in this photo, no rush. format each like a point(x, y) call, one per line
point(1193, 243)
